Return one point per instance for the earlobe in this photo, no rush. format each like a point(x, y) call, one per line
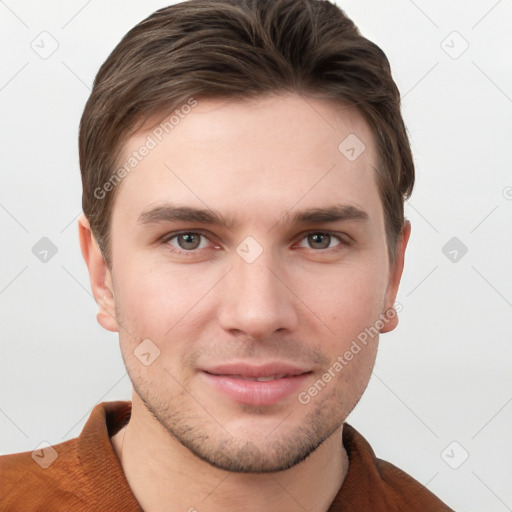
point(390, 315)
point(99, 276)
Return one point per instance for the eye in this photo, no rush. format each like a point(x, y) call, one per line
point(187, 241)
point(319, 240)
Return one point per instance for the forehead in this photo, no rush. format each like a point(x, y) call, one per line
point(263, 156)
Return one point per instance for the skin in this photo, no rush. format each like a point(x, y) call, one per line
point(300, 301)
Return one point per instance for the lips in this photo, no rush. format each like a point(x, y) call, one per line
point(256, 385)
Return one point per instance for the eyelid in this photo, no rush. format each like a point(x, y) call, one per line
point(168, 236)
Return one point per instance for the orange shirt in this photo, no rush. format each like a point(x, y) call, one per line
point(84, 474)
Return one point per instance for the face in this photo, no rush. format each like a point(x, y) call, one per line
point(248, 257)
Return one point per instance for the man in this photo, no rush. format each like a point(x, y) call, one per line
point(244, 167)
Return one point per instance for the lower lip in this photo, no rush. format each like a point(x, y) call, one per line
point(252, 392)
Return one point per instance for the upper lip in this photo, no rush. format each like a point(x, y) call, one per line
point(255, 371)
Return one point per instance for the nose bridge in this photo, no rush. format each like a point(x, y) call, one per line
point(259, 303)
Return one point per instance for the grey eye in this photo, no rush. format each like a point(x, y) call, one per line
point(319, 240)
point(187, 241)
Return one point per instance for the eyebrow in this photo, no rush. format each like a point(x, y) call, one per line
point(173, 213)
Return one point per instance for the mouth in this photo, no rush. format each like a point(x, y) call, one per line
point(263, 378)
point(256, 385)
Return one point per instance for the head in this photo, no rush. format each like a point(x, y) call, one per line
point(244, 168)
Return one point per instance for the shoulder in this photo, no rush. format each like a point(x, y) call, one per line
point(380, 485)
point(83, 473)
point(40, 479)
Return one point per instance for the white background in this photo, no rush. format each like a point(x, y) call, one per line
point(442, 376)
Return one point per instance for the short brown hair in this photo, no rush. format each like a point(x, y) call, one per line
point(240, 49)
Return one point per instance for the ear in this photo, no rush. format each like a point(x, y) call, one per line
point(99, 275)
point(395, 275)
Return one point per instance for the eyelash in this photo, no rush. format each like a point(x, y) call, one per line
point(343, 242)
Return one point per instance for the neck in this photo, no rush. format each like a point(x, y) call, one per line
point(163, 473)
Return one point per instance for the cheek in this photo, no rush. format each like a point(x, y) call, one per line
point(347, 299)
point(153, 299)
point(157, 305)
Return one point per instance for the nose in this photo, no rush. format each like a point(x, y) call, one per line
point(256, 299)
